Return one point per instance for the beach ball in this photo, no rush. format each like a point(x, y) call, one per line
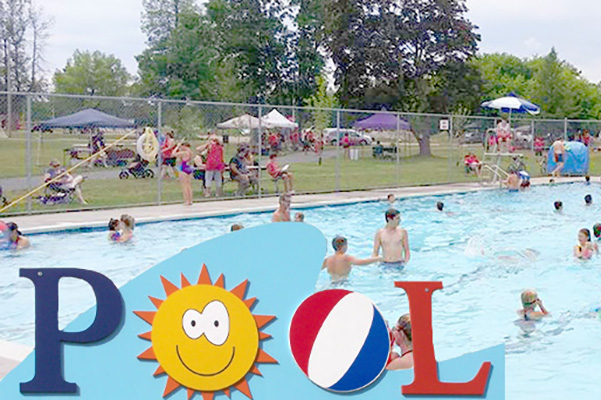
point(340, 340)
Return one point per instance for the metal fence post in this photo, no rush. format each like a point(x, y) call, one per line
point(451, 151)
point(28, 151)
point(533, 156)
point(565, 129)
point(397, 146)
point(160, 154)
point(260, 139)
point(337, 180)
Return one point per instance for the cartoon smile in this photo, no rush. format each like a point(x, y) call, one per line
point(201, 374)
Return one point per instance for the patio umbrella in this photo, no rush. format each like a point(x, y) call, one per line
point(512, 104)
point(243, 122)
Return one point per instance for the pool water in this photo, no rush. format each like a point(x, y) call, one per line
point(493, 245)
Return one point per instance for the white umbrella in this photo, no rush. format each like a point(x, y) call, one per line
point(511, 104)
point(243, 122)
point(277, 120)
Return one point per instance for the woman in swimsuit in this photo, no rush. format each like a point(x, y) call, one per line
point(404, 339)
point(585, 248)
point(184, 154)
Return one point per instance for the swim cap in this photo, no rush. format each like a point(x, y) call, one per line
point(597, 230)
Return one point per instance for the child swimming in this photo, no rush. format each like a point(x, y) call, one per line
point(585, 248)
point(340, 264)
point(403, 338)
point(588, 200)
point(558, 206)
point(529, 302)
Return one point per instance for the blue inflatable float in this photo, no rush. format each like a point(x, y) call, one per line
point(576, 162)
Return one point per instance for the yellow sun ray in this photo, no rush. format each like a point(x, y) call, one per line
point(242, 386)
point(220, 281)
point(263, 357)
point(185, 282)
point(240, 290)
point(263, 320)
point(168, 286)
point(204, 278)
point(170, 386)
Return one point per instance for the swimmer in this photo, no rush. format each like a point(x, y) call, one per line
point(588, 200)
point(551, 181)
point(404, 339)
point(114, 230)
point(282, 214)
point(512, 182)
point(558, 206)
point(299, 217)
point(585, 248)
point(236, 227)
point(127, 227)
point(390, 199)
point(16, 240)
point(529, 302)
point(597, 231)
point(440, 206)
point(340, 264)
point(393, 240)
point(587, 180)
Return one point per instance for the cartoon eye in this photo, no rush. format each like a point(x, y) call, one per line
point(217, 323)
point(192, 324)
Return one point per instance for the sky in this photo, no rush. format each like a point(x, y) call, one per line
point(521, 27)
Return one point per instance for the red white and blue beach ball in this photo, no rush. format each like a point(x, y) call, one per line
point(339, 340)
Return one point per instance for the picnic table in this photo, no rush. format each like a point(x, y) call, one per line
point(384, 152)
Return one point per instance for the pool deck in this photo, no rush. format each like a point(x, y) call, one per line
point(11, 354)
point(41, 223)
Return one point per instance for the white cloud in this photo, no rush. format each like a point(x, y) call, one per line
point(533, 44)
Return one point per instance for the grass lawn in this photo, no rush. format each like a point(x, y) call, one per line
point(445, 166)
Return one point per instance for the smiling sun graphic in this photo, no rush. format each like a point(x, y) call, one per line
point(204, 337)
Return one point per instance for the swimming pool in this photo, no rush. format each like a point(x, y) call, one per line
point(495, 245)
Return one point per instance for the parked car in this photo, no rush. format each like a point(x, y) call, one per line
point(472, 137)
point(356, 138)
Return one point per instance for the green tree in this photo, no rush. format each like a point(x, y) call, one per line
point(182, 70)
point(321, 100)
point(92, 73)
point(161, 17)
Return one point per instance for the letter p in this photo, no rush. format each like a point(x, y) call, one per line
point(48, 376)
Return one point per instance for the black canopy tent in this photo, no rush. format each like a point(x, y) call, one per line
point(88, 118)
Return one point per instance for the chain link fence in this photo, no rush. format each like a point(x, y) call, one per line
point(326, 150)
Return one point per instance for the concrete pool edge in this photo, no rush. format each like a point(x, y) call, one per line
point(77, 221)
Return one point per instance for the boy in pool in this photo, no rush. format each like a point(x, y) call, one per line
point(587, 180)
point(236, 227)
point(340, 264)
point(558, 206)
point(588, 200)
point(299, 217)
point(529, 302)
point(390, 199)
point(393, 240)
point(585, 248)
point(439, 206)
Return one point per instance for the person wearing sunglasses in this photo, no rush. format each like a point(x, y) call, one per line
point(404, 339)
point(530, 301)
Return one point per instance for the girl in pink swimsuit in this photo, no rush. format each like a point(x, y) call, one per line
point(585, 248)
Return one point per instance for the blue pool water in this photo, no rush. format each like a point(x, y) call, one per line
point(495, 245)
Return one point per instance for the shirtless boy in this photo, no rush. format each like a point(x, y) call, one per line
point(282, 214)
point(340, 264)
point(393, 240)
point(559, 154)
